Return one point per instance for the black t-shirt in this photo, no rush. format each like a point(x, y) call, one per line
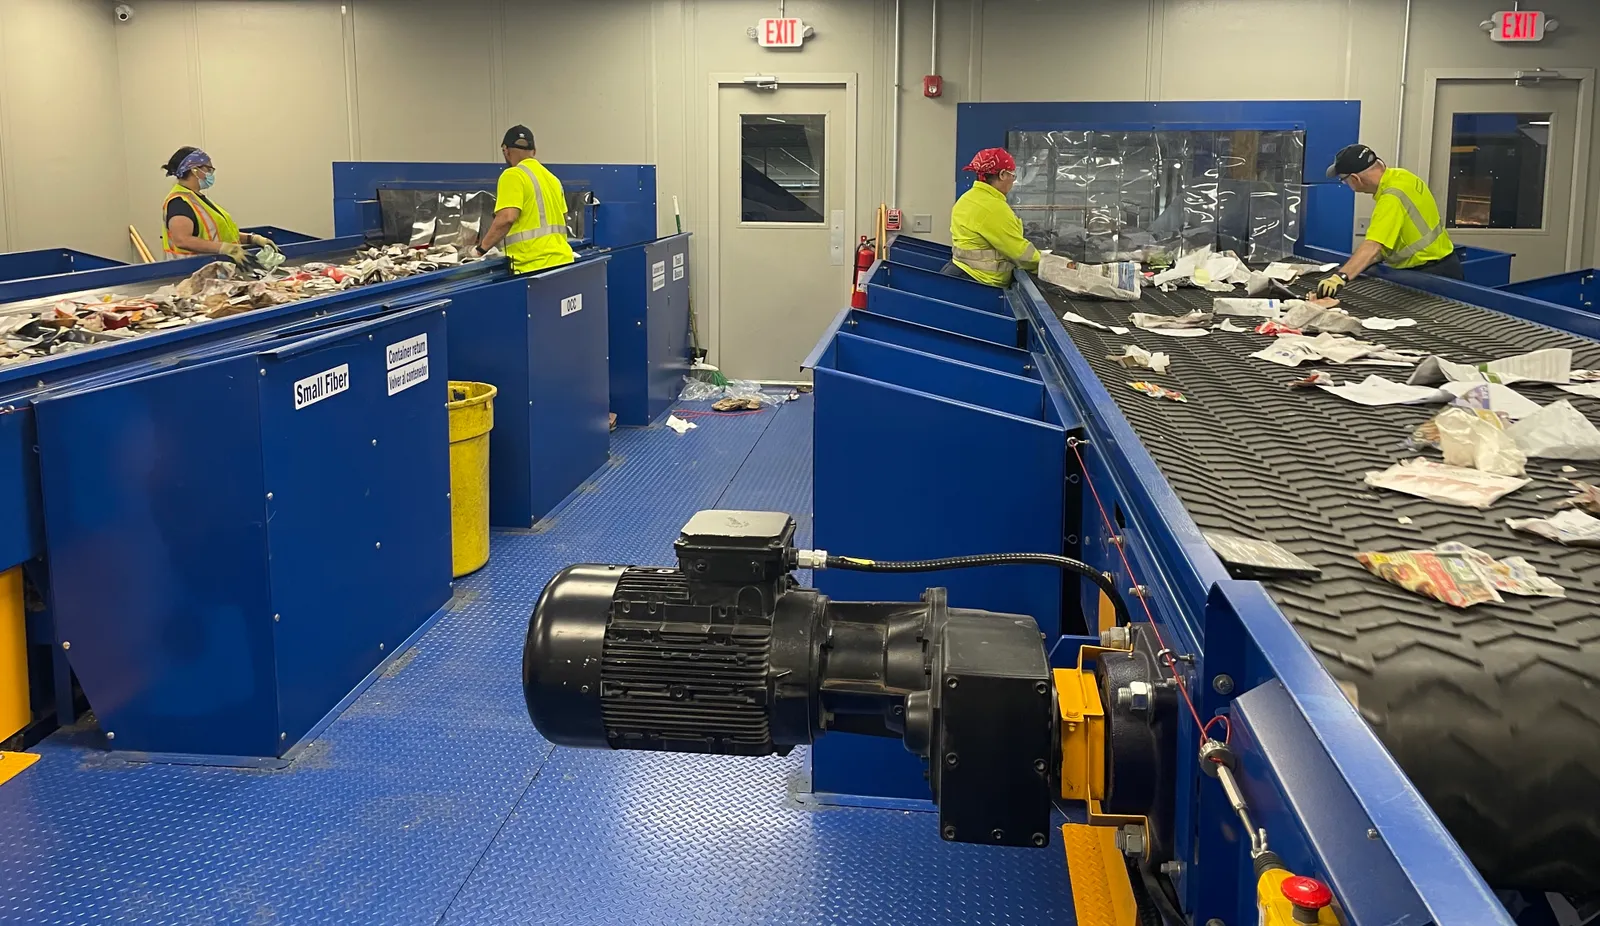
point(179, 205)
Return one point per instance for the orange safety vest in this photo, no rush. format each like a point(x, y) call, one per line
point(215, 224)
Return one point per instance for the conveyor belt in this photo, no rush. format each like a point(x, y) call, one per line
point(1494, 711)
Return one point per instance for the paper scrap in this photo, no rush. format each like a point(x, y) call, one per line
point(1135, 357)
point(1557, 431)
point(1180, 332)
point(1571, 527)
point(1592, 390)
point(1158, 391)
point(1447, 577)
point(1587, 497)
point(1119, 281)
point(1492, 397)
point(1453, 485)
point(679, 425)
point(1513, 575)
point(1387, 324)
point(1376, 391)
point(1150, 322)
point(1585, 376)
point(1284, 272)
point(1077, 319)
point(1227, 325)
point(1293, 349)
point(1308, 316)
point(1552, 365)
point(1257, 308)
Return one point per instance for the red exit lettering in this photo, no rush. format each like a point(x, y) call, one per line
point(1519, 26)
point(780, 32)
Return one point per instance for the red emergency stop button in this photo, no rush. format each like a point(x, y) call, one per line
point(1308, 896)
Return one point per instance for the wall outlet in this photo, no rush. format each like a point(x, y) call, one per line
point(1362, 223)
point(922, 223)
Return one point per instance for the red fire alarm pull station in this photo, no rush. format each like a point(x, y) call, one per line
point(932, 86)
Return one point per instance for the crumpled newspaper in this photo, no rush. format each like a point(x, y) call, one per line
point(1149, 322)
point(1158, 391)
point(1459, 575)
point(1440, 482)
point(1118, 281)
point(1135, 357)
point(1291, 350)
point(1570, 526)
point(1309, 316)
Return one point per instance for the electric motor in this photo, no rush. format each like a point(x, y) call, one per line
point(727, 654)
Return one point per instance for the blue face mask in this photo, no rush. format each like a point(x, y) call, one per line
point(207, 180)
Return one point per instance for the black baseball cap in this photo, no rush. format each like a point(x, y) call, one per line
point(518, 136)
point(1352, 159)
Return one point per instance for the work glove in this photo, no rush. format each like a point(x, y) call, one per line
point(1328, 287)
point(233, 251)
point(262, 241)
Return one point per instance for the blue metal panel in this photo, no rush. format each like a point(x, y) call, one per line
point(156, 519)
point(922, 260)
point(23, 265)
point(488, 343)
point(359, 514)
point(1485, 266)
point(1576, 290)
point(934, 285)
point(21, 525)
point(668, 324)
point(936, 313)
point(940, 376)
point(649, 327)
point(907, 242)
point(941, 342)
point(569, 389)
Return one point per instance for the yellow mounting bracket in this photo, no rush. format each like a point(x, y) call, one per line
point(1101, 891)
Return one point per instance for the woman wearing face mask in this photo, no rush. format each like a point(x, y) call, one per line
point(191, 222)
point(986, 235)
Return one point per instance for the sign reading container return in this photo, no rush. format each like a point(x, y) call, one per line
point(407, 363)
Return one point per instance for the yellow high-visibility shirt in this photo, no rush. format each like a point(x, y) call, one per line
point(986, 237)
point(538, 238)
point(1406, 221)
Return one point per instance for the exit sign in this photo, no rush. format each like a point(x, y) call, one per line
point(1517, 26)
point(780, 33)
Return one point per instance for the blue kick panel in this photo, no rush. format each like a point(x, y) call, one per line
point(648, 304)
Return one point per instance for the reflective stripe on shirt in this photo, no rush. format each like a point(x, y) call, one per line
point(1430, 234)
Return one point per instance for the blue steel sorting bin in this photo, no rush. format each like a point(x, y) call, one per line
point(541, 340)
point(1575, 290)
point(648, 305)
point(977, 431)
point(237, 545)
point(1485, 266)
point(48, 262)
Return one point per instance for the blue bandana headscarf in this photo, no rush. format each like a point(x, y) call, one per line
point(196, 158)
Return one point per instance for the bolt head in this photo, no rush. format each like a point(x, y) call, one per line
point(110, 736)
point(951, 759)
point(66, 644)
point(949, 832)
point(1040, 839)
point(952, 682)
point(1139, 695)
point(1039, 766)
point(997, 834)
point(1222, 684)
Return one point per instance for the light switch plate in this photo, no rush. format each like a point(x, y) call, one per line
point(922, 223)
point(1362, 223)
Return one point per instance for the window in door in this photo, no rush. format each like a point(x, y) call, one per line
point(782, 168)
point(1497, 170)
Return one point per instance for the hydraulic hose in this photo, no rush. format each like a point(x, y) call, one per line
point(1104, 580)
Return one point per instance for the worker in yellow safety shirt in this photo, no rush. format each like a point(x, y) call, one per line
point(986, 236)
point(530, 209)
point(190, 222)
point(1407, 231)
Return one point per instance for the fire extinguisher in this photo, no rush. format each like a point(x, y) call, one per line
point(865, 255)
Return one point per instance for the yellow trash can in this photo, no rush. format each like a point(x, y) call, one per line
point(471, 419)
point(14, 709)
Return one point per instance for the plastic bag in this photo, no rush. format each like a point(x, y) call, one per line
point(1118, 281)
point(1469, 438)
point(698, 390)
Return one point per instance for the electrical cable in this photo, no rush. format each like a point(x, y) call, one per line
point(1148, 913)
point(1166, 652)
point(1104, 580)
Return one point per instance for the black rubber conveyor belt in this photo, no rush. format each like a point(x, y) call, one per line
point(1493, 711)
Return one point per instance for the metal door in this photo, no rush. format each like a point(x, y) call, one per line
point(784, 260)
point(1503, 163)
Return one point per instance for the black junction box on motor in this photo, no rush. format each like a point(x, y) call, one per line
point(727, 654)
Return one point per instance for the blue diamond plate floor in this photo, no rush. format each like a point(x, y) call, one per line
point(432, 800)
